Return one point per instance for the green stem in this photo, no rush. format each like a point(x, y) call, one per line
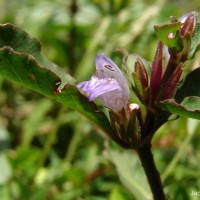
point(72, 36)
point(177, 156)
point(76, 138)
point(148, 124)
point(153, 176)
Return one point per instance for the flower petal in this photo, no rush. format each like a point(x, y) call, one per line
point(114, 100)
point(109, 85)
point(183, 18)
point(106, 68)
point(96, 87)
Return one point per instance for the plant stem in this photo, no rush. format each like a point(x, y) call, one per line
point(72, 37)
point(153, 176)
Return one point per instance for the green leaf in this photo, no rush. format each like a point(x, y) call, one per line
point(31, 123)
point(189, 107)
point(163, 33)
point(6, 168)
point(21, 60)
point(190, 86)
point(117, 193)
point(195, 44)
point(126, 164)
point(187, 98)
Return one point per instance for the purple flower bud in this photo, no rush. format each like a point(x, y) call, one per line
point(108, 85)
point(183, 18)
point(189, 22)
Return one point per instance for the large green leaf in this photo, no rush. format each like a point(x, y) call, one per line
point(195, 44)
point(187, 99)
point(190, 86)
point(21, 60)
point(189, 107)
point(127, 164)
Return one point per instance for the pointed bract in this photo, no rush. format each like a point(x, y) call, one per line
point(169, 89)
point(140, 78)
point(156, 72)
point(141, 73)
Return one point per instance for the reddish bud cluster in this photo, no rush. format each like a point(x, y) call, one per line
point(165, 73)
point(160, 87)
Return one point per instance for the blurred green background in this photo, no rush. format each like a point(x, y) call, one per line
point(48, 151)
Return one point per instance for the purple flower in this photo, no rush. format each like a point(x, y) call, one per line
point(108, 85)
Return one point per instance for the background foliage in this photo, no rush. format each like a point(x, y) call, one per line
point(48, 151)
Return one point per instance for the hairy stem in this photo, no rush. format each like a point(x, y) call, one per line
point(153, 176)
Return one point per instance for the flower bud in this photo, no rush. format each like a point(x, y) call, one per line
point(134, 125)
point(141, 73)
point(156, 72)
point(140, 78)
point(189, 22)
